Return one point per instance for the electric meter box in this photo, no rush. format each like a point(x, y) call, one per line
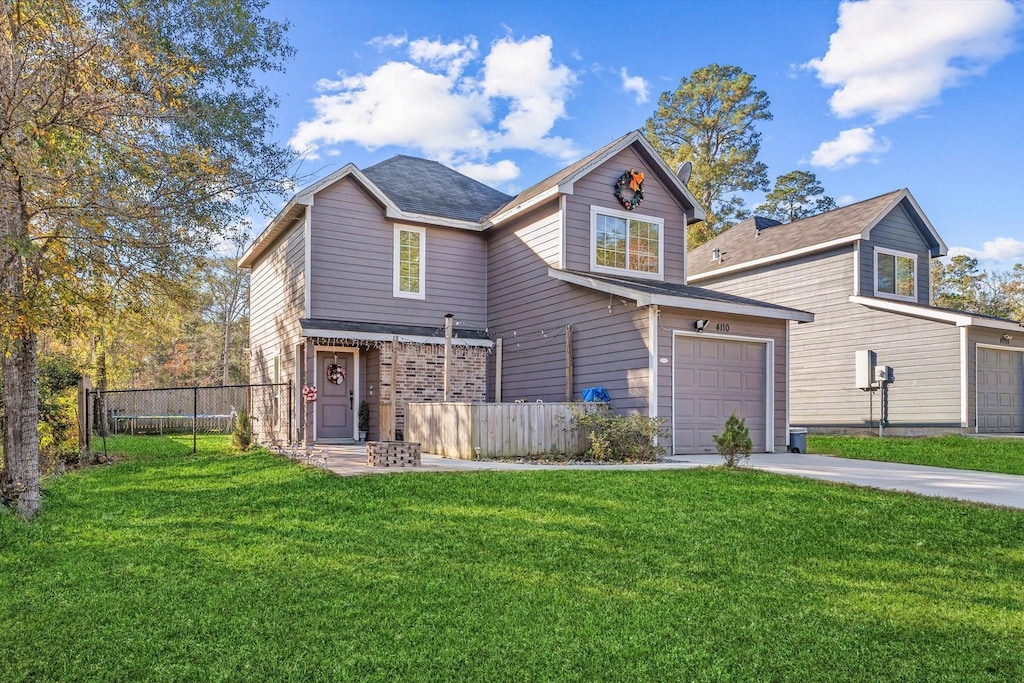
point(865, 364)
point(883, 373)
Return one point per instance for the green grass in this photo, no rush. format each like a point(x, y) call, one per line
point(959, 452)
point(171, 566)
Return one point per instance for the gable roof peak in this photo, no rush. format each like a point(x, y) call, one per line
point(562, 180)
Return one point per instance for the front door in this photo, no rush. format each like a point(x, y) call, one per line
point(334, 405)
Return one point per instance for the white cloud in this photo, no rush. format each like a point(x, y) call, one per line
point(381, 42)
point(428, 103)
point(500, 173)
point(522, 73)
point(891, 57)
point(635, 84)
point(398, 104)
point(845, 200)
point(849, 148)
point(452, 57)
point(1001, 249)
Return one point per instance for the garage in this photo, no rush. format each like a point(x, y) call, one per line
point(1000, 388)
point(712, 378)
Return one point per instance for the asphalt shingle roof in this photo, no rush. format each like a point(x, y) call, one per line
point(746, 242)
point(430, 188)
point(685, 291)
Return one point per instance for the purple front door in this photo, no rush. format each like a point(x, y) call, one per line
point(334, 405)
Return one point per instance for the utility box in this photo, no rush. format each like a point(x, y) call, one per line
point(865, 364)
point(883, 373)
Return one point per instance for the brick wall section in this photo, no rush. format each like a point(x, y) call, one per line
point(392, 454)
point(420, 375)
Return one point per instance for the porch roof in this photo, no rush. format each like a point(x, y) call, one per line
point(378, 332)
point(646, 293)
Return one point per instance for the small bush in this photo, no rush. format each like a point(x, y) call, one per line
point(242, 436)
point(619, 438)
point(734, 442)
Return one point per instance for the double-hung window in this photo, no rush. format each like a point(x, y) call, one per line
point(410, 268)
point(626, 243)
point(895, 275)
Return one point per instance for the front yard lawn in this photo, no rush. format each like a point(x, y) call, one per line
point(169, 566)
point(958, 452)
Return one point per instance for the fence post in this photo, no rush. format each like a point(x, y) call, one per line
point(195, 415)
point(291, 409)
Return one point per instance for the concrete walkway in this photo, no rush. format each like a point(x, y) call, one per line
point(979, 487)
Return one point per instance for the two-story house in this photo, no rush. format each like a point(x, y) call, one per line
point(863, 270)
point(352, 281)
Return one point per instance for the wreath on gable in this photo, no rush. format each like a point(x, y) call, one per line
point(634, 180)
point(336, 373)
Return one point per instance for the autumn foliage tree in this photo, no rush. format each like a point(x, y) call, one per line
point(132, 133)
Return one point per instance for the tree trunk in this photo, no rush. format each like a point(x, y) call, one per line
point(226, 357)
point(19, 480)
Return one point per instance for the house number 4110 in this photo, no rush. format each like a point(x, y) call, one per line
point(721, 327)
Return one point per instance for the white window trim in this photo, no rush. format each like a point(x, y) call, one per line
point(627, 215)
point(874, 274)
point(397, 287)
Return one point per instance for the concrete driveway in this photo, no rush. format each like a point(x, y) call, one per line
point(979, 487)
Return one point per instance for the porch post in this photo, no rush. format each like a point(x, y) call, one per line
point(446, 393)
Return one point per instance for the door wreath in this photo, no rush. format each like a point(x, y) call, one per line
point(336, 373)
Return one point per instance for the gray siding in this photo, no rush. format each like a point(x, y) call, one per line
point(529, 311)
point(597, 188)
point(353, 264)
point(924, 354)
point(673, 319)
point(276, 303)
point(897, 232)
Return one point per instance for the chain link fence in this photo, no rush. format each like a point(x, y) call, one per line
point(191, 410)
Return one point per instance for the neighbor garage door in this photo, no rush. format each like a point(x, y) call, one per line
point(1000, 388)
point(713, 379)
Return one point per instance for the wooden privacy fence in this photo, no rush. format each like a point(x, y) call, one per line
point(470, 431)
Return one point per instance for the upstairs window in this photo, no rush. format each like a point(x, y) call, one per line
point(895, 275)
point(410, 246)
point(625, 243)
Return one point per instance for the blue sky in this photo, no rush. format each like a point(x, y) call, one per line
point(870, 96)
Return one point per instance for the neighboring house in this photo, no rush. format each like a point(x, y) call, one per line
point(863, 270)
point(367, 263)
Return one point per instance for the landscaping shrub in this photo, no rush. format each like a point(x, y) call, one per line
point(242, 436)
point(734, 442)
point(619, 438)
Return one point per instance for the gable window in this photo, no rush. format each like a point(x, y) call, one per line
point(410, 270)
point(895, 275)
point(625, 243)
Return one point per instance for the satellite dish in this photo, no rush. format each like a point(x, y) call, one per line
point(684, 172)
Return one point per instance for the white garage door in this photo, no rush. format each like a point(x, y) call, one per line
point(1000, 389)
point(713, 379)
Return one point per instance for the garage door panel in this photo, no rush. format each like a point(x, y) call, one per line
point(999, 391)
point(707, 378)
point(732, 380)
point(713, 378)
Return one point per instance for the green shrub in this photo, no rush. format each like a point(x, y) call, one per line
point(364, 416)
point(619, 438)
point(242, 436)
point(734, 442)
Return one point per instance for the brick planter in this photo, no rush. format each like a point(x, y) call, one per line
point(392, 454)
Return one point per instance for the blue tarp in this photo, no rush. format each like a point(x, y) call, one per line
point(596, 395)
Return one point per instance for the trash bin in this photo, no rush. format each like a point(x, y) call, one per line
point(797, 440)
